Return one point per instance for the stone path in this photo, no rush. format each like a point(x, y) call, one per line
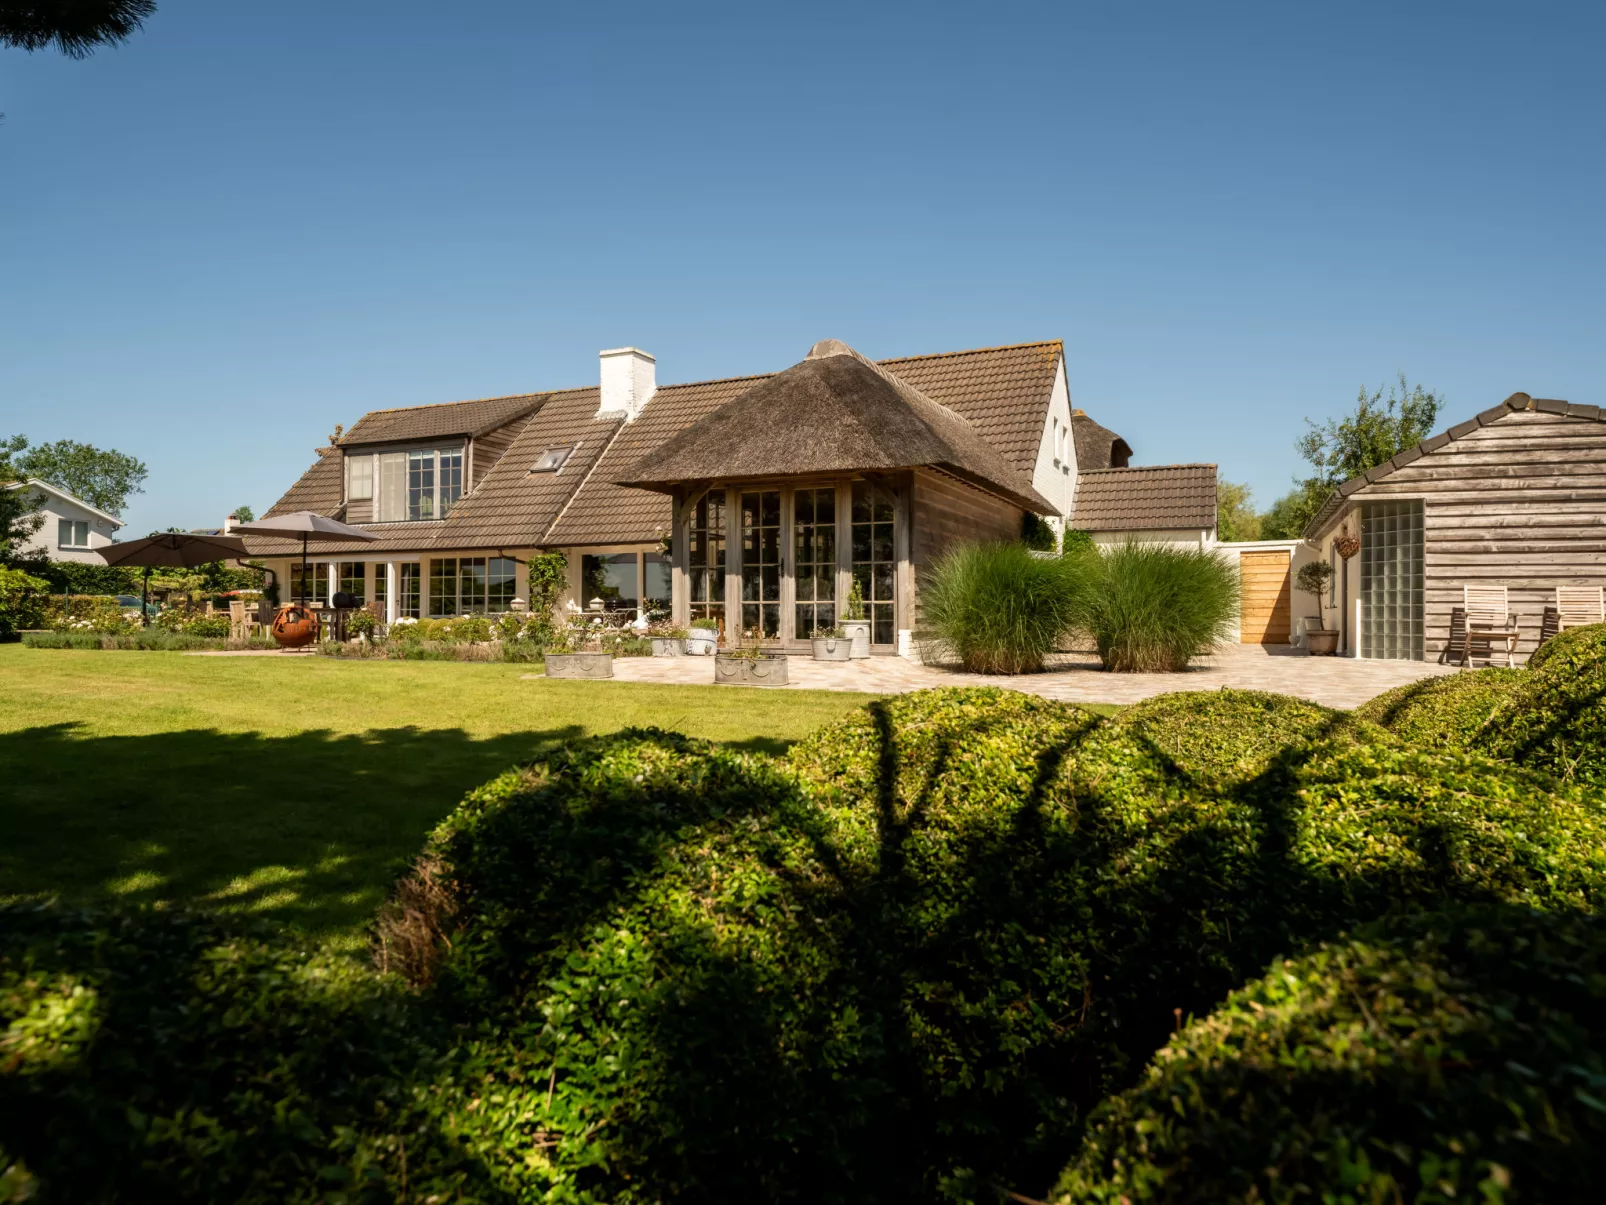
point(1076, 678)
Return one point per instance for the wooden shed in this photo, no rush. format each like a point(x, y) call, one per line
point(1513, 497)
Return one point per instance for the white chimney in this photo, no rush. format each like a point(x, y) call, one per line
point(228, 523)
point(629, 379)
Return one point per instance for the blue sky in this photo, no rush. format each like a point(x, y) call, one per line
point(255, 221)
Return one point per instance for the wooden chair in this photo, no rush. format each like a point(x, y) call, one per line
point(1458, 636)
point(239, 621)
point(1488, 621)
point(1579, 605)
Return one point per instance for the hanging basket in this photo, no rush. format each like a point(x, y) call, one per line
point(1347, 544)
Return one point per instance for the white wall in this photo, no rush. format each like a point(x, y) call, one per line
point(1175, 538)
point(1055, 477)
point(54, 508)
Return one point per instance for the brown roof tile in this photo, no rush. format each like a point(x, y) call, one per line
point(1167, 497)
point(438, 421)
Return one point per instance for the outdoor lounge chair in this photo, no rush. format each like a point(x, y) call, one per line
point(1576, 606)
point(1487, 622)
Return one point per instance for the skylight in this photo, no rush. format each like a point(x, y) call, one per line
point(551, 460)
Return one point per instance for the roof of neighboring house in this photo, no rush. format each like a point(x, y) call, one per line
point(1333, 508)
point(441, 420)
point(1165, 497)
point(1001, 392)
point(46, 488)
point(1097, 447)
point(843, 414)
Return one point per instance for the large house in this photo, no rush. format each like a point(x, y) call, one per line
point(754, 501)
point(71, 530)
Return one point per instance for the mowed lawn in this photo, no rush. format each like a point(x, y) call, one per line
point(292, 788)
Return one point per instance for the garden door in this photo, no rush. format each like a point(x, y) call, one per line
point(1266, 608)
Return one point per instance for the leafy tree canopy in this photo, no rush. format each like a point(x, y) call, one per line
point(77, 28)
point(1235, 512)
point(19, 518)
point(103, 478)
point(244, 514)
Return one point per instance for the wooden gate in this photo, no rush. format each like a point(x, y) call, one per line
point(1267, 606)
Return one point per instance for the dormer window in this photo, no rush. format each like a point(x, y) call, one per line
point(551, 460)
point(412, 485)
point(359, 478)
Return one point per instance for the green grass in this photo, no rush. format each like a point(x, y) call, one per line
point(292, 788)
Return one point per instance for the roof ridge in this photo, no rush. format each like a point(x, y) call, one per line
point(976, 351)
point(467, 401)
point(1138, 468)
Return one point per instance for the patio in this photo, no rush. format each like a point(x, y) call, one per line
point(1077, 678)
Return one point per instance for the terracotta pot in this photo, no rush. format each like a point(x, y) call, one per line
point(295, 626)
point(749, 671)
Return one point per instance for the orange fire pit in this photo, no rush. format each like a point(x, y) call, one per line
point(295, 626)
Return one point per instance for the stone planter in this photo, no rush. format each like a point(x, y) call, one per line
point(579, 665)
point(668, 646)
point(295, 627)
point(701, 642)
point(831, 648)
point(858, 634)
point(1321, 644)
point(749, 671)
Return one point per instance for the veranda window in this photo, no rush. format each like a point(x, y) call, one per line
point(409, 589)
point(310, 580)
point(610, 577)
point(705, 557)
point(814, 553)
point(354, 580)
point(470, 585)
point(874, 563)
point(761, 562)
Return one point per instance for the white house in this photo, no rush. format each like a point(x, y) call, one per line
point(72, 529)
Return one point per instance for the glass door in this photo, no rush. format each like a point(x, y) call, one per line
point(705, 557)
point(1391, 580)
point(874, 562)
point(814, 560)
point(761, 562)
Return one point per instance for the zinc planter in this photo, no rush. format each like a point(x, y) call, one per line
point(858, 633)
point(749, 671)
point(831, 648)
point(700, 642)
point(579, 665)
point(667, 646)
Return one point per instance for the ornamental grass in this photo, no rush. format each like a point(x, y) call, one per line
point(998, 608)
point(1152, 608)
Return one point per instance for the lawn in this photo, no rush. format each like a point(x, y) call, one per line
point(292, 788)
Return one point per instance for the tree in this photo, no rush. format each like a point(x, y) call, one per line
point(1235, 513)
point(102, 478)
point(74, 27)
point(19, 509)
point(1343, 448)
point(244, 514)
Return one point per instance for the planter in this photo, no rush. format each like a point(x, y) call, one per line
point(579, 665)
point(749, 671)
point(831, 648)
point(668, 646)
point(294, 627)
point(700, 642)
point(858, 634)
point(1321, 644)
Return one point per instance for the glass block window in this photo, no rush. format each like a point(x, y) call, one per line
point(354, 580)
point(874, 563)
point(409, 589)
point(705, 557)
point(1391, 580)
point(814, 554)
point(761, 562)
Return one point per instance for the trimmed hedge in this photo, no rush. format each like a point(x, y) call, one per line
point(1430, 1058)
point(1444, 711)
point(1555, 720)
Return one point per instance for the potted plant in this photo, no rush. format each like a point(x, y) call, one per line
point(830, 644)
point(667, 639)
point(1313, 579)
point(755, 661)
point(855, 624)
point(575, 651)
point(701, 637)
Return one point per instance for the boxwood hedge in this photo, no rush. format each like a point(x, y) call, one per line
point(1429, 1058)
point(1443, 711)
point(1555, 719)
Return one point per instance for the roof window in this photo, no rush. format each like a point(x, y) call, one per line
point(552, 459)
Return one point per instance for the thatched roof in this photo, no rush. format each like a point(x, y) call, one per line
point(1098, 447)
point(834, 412)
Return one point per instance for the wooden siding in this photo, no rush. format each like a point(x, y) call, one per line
point(947, 511)
point(1519, 503)
point(1267, 606)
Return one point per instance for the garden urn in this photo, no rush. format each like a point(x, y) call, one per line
point(858, 633)
point(700, 642)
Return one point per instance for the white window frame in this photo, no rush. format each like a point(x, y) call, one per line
point(360, 478)
point(391, 498)
point(73, 527)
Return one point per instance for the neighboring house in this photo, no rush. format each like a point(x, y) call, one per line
point(1515, 496)
point(72, 528)
point(756, 501)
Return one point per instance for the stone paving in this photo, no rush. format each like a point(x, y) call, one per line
point(1078, 678)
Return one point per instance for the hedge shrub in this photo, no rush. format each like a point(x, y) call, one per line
point(1430, 1058)
point(1443, 711)
point(1555, 720)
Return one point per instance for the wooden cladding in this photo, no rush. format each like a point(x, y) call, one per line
point(1267, 606)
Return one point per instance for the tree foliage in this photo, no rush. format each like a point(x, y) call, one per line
point(244, 514)
point(1235, 512)
point(77, 28)
point(19, 517)
point(104, 478)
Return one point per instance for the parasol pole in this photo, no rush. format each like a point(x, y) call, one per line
point(145, 600)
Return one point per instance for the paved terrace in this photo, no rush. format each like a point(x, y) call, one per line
point(1078, 678)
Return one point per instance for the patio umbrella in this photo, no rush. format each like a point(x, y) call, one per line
point(171, 550)
point(308, 525)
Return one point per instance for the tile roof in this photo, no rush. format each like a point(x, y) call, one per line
point(1097, 447)
point(1002, 391)
point(1167, 497)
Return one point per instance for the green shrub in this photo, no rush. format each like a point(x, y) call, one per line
point(1572, 643)
point(1036, 534)
point(141, 640)
point(172, 1057)
point(1077, 542)
point(1432, 1058)
point(1153, 608)
point(1444, 711)
point(1555, 719)
point(84, 613)
point(22, 600)
point(997, 607)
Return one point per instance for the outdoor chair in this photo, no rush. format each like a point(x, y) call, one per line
point(239, 621)
point(1577, 606)
point(1488, 622)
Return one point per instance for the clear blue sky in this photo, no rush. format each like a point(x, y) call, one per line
point(255, 221)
